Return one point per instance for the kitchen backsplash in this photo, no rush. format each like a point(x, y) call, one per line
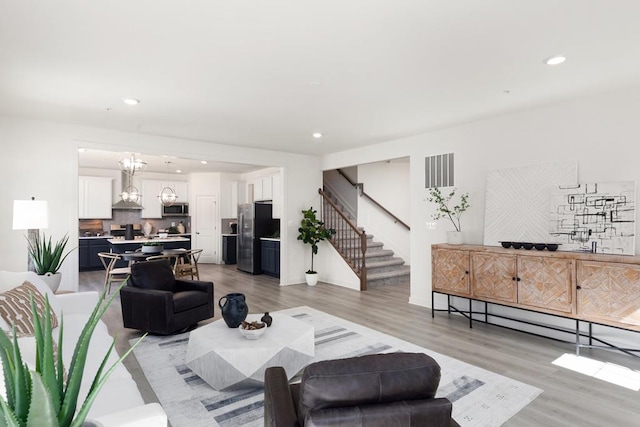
point(133, 217)
point(225, 225)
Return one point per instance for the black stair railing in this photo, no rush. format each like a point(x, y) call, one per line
point(349, 240)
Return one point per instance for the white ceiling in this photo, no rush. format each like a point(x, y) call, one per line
point(269, 73)
point(101, 159)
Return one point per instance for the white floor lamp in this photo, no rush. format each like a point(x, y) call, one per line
point(31, 215)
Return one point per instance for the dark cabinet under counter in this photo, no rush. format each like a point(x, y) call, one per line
point(229, 248)
point(270, 251)
point(88, 249)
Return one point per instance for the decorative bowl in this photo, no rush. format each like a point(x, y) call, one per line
point(516, 245)
point(252, 334)
point(152, 249)
point(540, 246)
point(506, 245)
point(552, 246)
point(527, 245)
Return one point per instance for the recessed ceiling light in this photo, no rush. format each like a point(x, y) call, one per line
point(82, 150)
point(555, 60)
point(204, 162)
point(317, 135)
point(131, 101)
point(178, 171)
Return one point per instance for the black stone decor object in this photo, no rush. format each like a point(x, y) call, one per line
point(267, 319)
point(234, 310)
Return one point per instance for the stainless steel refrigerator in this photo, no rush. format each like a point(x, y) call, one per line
point(254, 221)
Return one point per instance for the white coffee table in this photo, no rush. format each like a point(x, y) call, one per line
point(222, 357)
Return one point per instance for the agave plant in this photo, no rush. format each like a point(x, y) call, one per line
point(46, 257)
point(47, 397)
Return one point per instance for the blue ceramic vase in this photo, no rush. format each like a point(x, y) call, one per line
point(234, 310)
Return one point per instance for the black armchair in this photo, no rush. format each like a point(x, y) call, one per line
point(391, 390)
point(154, 301)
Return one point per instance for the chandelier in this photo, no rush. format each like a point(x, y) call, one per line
point(167, 195)
point(131, 165)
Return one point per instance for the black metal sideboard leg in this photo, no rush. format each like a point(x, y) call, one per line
point(470, 313)
point(577, 337)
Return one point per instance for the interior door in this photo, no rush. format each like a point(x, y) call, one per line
point(206, 226)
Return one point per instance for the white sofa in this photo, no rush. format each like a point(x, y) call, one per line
point(119, 402)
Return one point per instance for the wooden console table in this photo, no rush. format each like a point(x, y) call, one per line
point(592, 288)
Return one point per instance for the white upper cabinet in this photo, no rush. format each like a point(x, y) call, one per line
point(94, 197)
point(263, 188)
point(151, 207)
point(151, 188)
point(181, 188)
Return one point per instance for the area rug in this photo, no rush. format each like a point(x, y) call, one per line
point(480, 397)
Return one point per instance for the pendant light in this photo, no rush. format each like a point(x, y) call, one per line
point(167, 195)
point(130, 194)
point(131, 165)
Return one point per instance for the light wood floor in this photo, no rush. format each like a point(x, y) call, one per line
point(569, 398)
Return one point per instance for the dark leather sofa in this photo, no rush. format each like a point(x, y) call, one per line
point(155, 302)
point(390, 390)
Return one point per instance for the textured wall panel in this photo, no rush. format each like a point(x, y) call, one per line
point(518, 200)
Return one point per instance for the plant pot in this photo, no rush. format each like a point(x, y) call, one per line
point(52, 280)
point(312, 278)
point(152, 249)
point(455, 237)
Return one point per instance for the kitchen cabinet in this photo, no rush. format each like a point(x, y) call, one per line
point(149, 190)
point(88, 250)
point(263, 188)
point(230, 196)
point(229, 249)
point(181, 188)
point(270, 253)
point(94, 197)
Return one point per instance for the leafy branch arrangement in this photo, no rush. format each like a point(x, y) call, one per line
point(46, 257)
point(442, 205)
point(47, 397)
point(312, 231)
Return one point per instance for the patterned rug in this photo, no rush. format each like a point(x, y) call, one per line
point(480, 397)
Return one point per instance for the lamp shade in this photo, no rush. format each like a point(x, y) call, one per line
point(30, 214)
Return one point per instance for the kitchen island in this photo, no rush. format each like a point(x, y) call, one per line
point(121, 246)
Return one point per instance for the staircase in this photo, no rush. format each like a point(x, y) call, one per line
point(382, 266)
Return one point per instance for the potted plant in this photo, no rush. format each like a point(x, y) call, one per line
point(312, 231)
point(48, 396)
point(48, 258)
point(452, 213)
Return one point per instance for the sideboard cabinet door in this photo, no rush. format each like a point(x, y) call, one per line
point(494, 276)
point(545, 283)
point(451, 271)
point(609, 293)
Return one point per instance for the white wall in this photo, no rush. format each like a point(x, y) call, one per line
point(389, 184)
point(599, 131)
point(41, 160)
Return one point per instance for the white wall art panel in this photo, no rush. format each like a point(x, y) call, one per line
point(517, 201)
point(597, 217)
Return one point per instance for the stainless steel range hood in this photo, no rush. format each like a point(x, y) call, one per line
point(122, 204)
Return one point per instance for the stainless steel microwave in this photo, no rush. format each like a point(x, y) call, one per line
point(177, 209)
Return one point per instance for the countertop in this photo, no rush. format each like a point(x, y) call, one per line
point(143, 240)
point(271, 239)
point(109, 236)
point(228, 234)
